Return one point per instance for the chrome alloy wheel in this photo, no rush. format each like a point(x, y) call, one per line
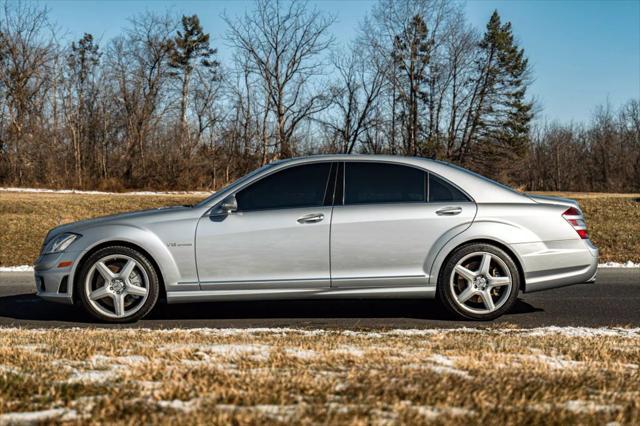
point(117, 286)
point(481, 282)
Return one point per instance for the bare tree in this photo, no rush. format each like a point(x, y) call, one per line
point(284, 44)
point(139, 65)
point(354, 98)
point(26, 54)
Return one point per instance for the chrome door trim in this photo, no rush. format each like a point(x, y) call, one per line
point(302, 293)
point(265, 284)
point(389, 281)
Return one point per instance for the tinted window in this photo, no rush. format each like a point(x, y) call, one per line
point(441, 191)
point(383, 183)
point(298, 186)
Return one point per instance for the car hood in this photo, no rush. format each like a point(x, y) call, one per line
point(137, 218)
point(548, 199)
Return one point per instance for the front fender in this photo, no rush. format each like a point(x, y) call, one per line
point(140, 237)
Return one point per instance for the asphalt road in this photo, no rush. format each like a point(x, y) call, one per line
point(614, 300)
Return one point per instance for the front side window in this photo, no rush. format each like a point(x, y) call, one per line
point(442, 192)
point(297, 186)
point(367, 183)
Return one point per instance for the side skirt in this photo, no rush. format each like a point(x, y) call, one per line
point(302, 293)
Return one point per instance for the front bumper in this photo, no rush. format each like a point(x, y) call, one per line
point(54, 283)
point(554, 264)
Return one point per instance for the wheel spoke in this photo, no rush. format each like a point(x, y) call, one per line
point(110, 299)
point(136, 290)
point(466, 294)
point(499, 281)
point(105, 271)
point(127, 269)
point(487, 300)
point(99, 293)
point(118, 304)
point(485, 264)
point(465, 273)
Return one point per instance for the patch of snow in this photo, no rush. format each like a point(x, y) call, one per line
point(621, 332)
point(149, 385)
point(301, 353)
point(34, 347)
point(349, 350)
point(9, 369)
point(256, 352)
point(179, 405)
point(578, 407)
point(20, 268)
point(38, 417)
point(442, 360)
point(77, 191)
point(118, 360)
point(627, 264)
point(554, 363)
point(432, 413)
point(93, 376)
point(280, 413)
point(580, 331)
point(443, 369)
point(443, 365)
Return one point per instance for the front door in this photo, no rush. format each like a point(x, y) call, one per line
point(391, 217)
point(278, 238)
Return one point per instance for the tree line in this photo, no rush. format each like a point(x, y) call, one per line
point(154, 107)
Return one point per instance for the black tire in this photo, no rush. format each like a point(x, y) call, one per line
point(153, 286)
point(445, 293)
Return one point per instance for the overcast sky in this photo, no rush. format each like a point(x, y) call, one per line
point(583, 53)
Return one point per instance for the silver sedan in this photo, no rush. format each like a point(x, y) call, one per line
point(323, 227)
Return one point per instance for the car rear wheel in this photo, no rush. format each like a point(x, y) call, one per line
point(479, 282)
point(118, 284)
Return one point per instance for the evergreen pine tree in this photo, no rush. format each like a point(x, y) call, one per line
point(411, 55)
point(504, 114)
point(191, 47)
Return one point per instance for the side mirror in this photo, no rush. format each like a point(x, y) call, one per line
point(229, 205)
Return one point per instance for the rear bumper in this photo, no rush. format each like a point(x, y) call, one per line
point(554, 264)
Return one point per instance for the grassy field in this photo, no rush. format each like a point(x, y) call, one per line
point(613, 219)
point(297, 376)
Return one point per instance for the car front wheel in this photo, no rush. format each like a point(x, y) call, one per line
point(118, 284)
point(479, 282)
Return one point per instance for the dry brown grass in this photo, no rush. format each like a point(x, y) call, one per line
point(290, 376)
point(26, 217)
point(614, 219)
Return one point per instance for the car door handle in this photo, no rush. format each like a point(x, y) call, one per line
point(449, 211)
point(311, 218)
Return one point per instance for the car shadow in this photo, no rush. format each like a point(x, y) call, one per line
point(28, 307)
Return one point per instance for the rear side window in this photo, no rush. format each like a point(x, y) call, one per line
point(367, 183)
point(441, 191)
point(298, 186)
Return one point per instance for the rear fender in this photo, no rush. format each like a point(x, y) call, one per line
point(503, 233)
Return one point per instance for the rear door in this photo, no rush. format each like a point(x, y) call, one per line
point(391, 215)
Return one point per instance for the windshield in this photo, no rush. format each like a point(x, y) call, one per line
point(234, 184)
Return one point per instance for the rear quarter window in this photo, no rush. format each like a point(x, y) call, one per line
point(441, 191)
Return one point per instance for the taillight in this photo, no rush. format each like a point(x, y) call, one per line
point(576, 220)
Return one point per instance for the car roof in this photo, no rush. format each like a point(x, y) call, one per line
point(480, 188)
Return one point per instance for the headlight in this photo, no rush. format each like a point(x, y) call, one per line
point(60, 243)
